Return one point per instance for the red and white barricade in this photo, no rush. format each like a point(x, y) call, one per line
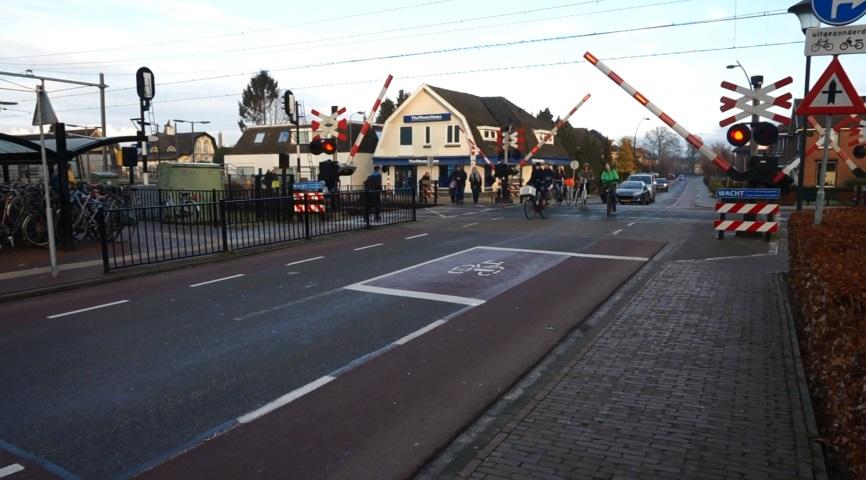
point(766, 227)
point(313, 202)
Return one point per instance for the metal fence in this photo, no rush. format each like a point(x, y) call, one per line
point(150, 234)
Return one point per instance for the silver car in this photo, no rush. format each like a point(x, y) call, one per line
point(647, 180)
point(633, 191)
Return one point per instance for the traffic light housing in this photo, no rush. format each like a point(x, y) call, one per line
point(739, 134)
point(285, 160)
point(765, 133)
point(129, 156)
point(316, 146)
point(860, 151)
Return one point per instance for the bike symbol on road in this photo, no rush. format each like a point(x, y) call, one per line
point(483, 269)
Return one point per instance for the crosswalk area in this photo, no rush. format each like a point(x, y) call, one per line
point(652, 216)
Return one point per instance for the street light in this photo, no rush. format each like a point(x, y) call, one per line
point(191, 130)
point(352, 140)
point(803, 11)
point(634, 139)
point(740, 65)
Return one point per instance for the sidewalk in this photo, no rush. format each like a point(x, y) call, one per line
point(695, 378)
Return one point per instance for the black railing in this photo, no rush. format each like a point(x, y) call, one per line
point(150, 234)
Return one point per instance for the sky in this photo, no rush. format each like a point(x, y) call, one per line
point(203, 53)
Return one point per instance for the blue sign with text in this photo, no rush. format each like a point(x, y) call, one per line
point(838, 12)
point(748, 193)
point(309, 186)
point(427, 117)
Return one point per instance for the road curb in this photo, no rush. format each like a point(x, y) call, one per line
point(501, 417)
point(792, 346)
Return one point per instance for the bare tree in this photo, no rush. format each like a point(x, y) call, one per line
point(662, 144)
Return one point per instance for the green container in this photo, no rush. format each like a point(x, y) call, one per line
point(190, 176)
point(103, 178)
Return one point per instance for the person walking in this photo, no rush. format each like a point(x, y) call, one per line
point(373, 186)
point(423, 187)
point(475, 182)
point(458, 179)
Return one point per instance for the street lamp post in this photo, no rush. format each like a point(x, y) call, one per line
point(634, 139)
point(803, 11)
point(191, 130)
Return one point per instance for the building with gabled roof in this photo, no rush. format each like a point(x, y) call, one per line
point(428, 134)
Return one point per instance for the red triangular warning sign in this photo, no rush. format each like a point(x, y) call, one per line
point(833, 94)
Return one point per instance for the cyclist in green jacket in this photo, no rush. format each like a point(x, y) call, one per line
point(609, 179)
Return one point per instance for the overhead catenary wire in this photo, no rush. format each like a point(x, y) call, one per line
point(748, 16)
point(472, 71)
point(329, 18)
point(318, 42)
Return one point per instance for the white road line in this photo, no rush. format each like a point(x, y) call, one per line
point(419, 332)
point(285, 399)
point(414, 266)
point(469, 225)
point(468, 213)
point(194, 285)
point(474, 302)
point(495, 219)
point(10, 469)
point(370, 246)
point(417, 236)
point(713, 259)
point(774, 248)
point(304, 261)
point(617, 232)
point(630, 224)
point(569, 254)
point(87, 309)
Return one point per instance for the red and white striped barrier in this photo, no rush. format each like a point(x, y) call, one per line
point(551, 133)
point(746, 226)
point(368, 121)
point(694, 140)
point(748, 208)
point(315, 202)
point(473, 146)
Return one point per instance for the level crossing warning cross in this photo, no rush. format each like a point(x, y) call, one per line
point(765, 102)
point(833, 94)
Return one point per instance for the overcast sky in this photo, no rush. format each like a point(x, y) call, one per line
point(340, 52)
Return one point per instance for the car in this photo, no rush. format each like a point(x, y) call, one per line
point(648, 180)
point(662, 184)
point(681, 178)
point(633, 191)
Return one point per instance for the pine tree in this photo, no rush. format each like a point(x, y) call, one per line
point(260, 101)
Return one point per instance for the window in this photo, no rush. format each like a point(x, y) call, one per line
point(284, 137)
point(453, 134)
point(259, 137)
point(830, 177)
point(427, 135)
point(405, 135)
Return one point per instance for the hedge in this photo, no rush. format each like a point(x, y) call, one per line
point(828, 275)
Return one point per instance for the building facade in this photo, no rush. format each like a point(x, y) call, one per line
point(434, 129)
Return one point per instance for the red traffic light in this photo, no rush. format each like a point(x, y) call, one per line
point(739, 134)
point(329, 146)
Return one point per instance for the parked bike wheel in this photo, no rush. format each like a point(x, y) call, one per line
point(529, 208)
point(34, 229)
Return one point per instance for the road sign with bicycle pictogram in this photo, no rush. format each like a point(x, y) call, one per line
point(486, 268)
point(835, 40)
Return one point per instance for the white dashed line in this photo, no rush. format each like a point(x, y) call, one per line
point(194, 285)
point(630, 224)
point(304, 261)
point(370, 246)
point(417, 236)
point(495, 219)
point(617, 232)
point(10, 469)
point(87, 309)
point(285, 399)
point(419, 332)
point(469, 225)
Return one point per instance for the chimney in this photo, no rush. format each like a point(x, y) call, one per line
point(220, 140)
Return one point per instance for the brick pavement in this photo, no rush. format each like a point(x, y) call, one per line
point(690, 380)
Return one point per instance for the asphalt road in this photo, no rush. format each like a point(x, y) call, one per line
point(353, 357)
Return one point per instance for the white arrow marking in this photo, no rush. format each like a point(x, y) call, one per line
point(836, 3)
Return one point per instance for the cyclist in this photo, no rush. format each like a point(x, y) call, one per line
point(541, 179)
point(586, 178)
point(609, 179)
point(558, 184)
